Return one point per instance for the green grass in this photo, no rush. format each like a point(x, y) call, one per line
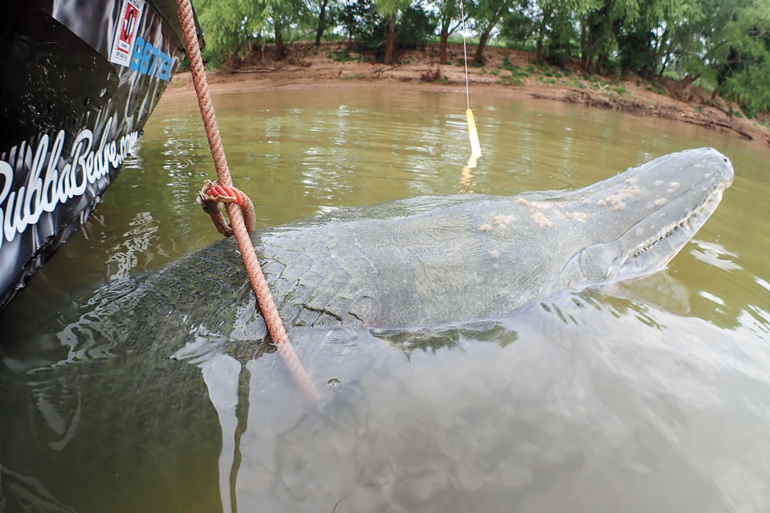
point(343, 56)
point(514, 69)
point(656, 90)
point(512, 80)
point(508, 65)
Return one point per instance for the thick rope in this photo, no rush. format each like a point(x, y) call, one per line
point(258, 283)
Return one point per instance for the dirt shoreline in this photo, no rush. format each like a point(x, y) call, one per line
point(333, 66)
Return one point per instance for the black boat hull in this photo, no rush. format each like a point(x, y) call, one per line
point(80, 79)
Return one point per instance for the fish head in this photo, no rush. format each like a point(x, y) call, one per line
point(640, 219)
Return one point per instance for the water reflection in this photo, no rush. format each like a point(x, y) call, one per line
point(538, 411)
point(528, 426)
point(27, 492)
point(466, 178)
point(715, 254)
point(220, 374)
point(652, 396)
point(126, 255)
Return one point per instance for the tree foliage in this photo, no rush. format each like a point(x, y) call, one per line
point(723, 44)
point(229, 25)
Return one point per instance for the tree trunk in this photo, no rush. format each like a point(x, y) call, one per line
point(321, 26)
point(590, 62)
point(627, 71)
point(280, 49)
point(583, 46)
point(663, 66)
point(478, 58)
point(541, 33)
point(600, 60)
point(442, 43)
point(391, 41)
point(689, 80)
point(539, 51)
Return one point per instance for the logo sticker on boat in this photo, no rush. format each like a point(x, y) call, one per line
point(126, 30)
point(55, 179)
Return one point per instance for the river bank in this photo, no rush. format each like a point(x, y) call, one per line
point(506, 72)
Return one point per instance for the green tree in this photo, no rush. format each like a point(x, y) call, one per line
point(282, 14)
point(230, 26)
point(390, 9)
point(360, 20)
point(486, 15)
point(449, 20)
point(415, 26)
point(552, 24)
point(598, 26)
point(518, 26)
point(323, 16)
point(643, 40)
point(726, 44)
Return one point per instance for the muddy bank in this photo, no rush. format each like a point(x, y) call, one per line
point(505, 72)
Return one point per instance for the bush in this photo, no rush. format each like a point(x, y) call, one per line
point(343, 55)
point(512, 80)
point(415, 28)
point(558, 59)
point(508, 65)
point(360, 20)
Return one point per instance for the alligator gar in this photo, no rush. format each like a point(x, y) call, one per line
point(428, 262)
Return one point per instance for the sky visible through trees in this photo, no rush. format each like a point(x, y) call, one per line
point(724, 45)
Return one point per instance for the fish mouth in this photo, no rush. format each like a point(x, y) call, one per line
point(683, 225)
point(654, 253)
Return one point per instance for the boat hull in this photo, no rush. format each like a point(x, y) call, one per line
point(80, 80)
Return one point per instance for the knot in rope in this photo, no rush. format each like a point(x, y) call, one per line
point(212, 198)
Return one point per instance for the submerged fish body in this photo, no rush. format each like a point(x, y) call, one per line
point(124, 408)
point(424, 262)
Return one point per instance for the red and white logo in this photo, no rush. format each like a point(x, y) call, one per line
point(126, 31)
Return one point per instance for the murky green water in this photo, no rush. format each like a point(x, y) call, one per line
point(654, 398)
